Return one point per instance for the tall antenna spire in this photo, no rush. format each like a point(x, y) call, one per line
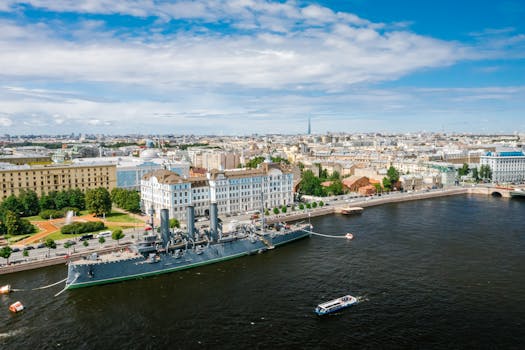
point(309, 125)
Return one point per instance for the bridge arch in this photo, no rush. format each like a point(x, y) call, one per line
point(496, 194)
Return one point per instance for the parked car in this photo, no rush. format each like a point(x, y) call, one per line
point(41, 245)
point(29, 247)
point(70, 242)
point(15, 249)
point(86, 237)
point(104, 234)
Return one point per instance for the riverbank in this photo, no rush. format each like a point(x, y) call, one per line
point(331, 208)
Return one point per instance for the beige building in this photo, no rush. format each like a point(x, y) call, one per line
point(44, 179)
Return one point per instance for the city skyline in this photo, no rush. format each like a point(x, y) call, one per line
point(242, 67)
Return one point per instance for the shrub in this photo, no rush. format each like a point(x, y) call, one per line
point(314, 205)
point(51, 214)
point(82, 227)
point(321, 203)
point(301, 206)
point(276, 210)
point(284, 209)
point(308, 205)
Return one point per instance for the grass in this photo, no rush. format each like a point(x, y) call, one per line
point(121, 217)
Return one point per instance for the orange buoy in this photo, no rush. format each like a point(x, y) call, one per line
point(16, 307)
point(5, 289)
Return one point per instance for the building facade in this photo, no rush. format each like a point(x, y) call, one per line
point(44, 179)
point(236, 191)
point(505, 166)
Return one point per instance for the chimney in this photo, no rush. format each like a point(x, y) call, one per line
point(190, 216)
point(165, 226)
point(214, 220)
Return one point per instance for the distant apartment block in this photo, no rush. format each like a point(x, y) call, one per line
point(237, 191)
point(47, 178)
point(505, 166)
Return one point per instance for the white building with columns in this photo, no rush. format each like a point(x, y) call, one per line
point(236, 191)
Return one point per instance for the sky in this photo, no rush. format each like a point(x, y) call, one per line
point(244, 66)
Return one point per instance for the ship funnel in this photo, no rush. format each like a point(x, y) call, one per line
point(214, 221)
point(165, 226)
point(190, 216)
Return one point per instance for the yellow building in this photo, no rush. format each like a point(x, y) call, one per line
point(47, 178)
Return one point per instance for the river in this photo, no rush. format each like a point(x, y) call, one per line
point(440, 273)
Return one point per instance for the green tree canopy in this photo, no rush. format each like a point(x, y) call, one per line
point(254, 162)
point(47, 201)
point(335, 188)
point(387, 184)
point(117, 234)
point(98, 201)
point(335, 176)
point(5, 252)
point(174, 223)
point(311, 184)
point(13, 204)
point(126, 199)
point(464, 170)
point(30, 202)
point(393, 174)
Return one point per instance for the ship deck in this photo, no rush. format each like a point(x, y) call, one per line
point(112, 257)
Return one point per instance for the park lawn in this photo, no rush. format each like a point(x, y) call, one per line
point(121, 217)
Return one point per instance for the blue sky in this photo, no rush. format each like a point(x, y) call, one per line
point(245, 66)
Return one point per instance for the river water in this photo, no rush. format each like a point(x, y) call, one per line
point(439, 273)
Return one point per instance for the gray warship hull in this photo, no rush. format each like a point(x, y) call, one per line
point(128, 265)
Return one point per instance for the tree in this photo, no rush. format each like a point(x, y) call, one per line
point(393, 174)
point(12, 223)
point(314, 205)
point(335, 188)
point(464, 170)
point(117, 235)
point(98, 201)
point(77, 199)
point(387, 184)
point(378, 187)
point(335, 176)
point(50, 244)
point(475, 174)
point(30, 202)
point(85, 244)
point(284, 209)
point(485, 172)
point(174, 223)
point(12, 204)
point(67, 245)
point(254, 162)
point(276, 210)
point(5, 252)
point(308, 206)
point(266, 212)
point(301, 206)
point(311, 184)
point(321, 203)
point(25, 253)
point(47, 201)
point(101, 240)
point(61, 200)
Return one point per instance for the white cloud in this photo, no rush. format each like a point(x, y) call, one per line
point(5, 122)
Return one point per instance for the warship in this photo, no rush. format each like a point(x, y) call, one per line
point(179, 250)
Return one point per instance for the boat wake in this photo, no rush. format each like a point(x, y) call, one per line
point(11, 333)
point(362, 298)
point(38, 288)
